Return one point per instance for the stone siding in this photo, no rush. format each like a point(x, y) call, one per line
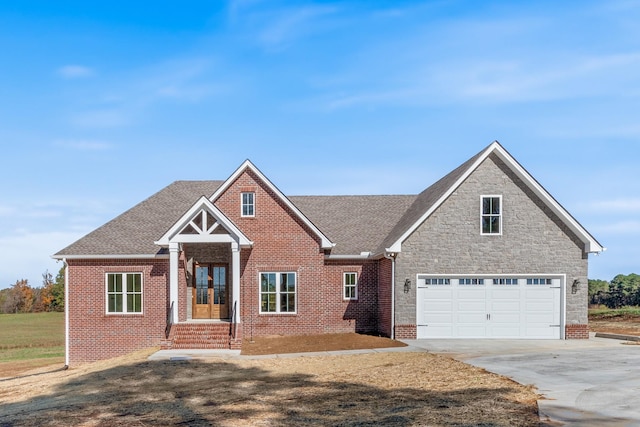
point(533, 241)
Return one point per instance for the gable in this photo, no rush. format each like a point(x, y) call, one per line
point(247, 178)
point(529, 229)
point(433, 197)
point(205, 223)
point(275, 218)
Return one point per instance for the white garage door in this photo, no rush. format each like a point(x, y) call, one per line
point(488, 307)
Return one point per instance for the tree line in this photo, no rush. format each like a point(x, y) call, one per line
point(23, 298)
point(622, 291)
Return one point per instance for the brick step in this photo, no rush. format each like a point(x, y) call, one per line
point(182, 339)
point(217, 329)
point(209, 346)
point(199, 336)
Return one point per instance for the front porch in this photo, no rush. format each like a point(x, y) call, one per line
point(204, 280)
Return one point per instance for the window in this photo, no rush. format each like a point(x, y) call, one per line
point(350, 284)
point(124, 293)
point(437, 281)
point(491, 215)
point(539, 281)
point(277, 292)
point(471, 281)
point(505, 281)
point(248, 204)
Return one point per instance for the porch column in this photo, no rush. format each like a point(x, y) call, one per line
point(235, 278)
point(174, 256)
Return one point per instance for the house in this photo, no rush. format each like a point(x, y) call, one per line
point(485, 252)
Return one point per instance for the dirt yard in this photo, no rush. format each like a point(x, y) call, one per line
point(348, 390)
point(310, 343)
point(616, 325)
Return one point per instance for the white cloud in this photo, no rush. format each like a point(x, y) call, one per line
point(75, 71)
point(84, 145)
point(182, 80)
point(290, 24)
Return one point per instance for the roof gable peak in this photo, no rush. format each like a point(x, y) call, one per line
point(248, 165)
point(434, 196)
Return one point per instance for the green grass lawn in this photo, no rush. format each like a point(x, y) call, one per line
point(610, 313)
point(31, 336)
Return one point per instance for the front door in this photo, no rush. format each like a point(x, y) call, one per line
point(210, 292)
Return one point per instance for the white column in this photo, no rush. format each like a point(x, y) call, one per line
point(66, 312)
point(235, 278)
point(174, 256)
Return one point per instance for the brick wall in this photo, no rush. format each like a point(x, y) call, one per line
point(95, 335)
point(577, 332)
point(534, 241)
point(283, 243)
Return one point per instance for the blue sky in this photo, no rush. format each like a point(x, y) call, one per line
point(101, 105)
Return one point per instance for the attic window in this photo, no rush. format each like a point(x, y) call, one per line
point(248, 201)
point(491, 215)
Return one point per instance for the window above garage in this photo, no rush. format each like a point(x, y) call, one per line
point(491, 215)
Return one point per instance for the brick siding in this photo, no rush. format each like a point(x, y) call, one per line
point(577, 332)
point(94, 334)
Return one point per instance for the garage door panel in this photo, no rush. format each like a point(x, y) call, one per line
point(538, 306)
point(439, 305)
point(505, 305)
point(470, 317)
point(539, 318)
point(506, 293)
point(489, 310)
point(540, 293)
point(471, 293)
point(431, 318)
point(469, 305)
point(510, 318)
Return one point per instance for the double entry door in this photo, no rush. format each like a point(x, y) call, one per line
point(210, 291)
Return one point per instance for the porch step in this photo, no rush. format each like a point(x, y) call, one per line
point(199, 336)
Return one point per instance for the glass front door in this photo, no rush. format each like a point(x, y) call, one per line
point(210, 292)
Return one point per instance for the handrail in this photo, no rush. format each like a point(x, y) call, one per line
point(167, 330)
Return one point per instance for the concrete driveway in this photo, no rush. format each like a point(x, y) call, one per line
point(593, 382)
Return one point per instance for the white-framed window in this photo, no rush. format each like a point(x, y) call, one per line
point(278, 292)
point(436, 281)
point(471, 281)
point(248, 204)
point(124, 293)
point(539, 281)
point(505, 281)
point(491, 215)
point(350, 286)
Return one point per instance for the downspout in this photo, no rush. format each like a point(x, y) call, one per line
point(66, 312)
point(392, 257)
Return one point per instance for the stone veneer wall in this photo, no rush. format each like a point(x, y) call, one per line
point(533, 241)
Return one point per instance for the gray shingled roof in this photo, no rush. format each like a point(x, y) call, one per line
point(133, 232)
point(425, 201)
point(355, 224)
